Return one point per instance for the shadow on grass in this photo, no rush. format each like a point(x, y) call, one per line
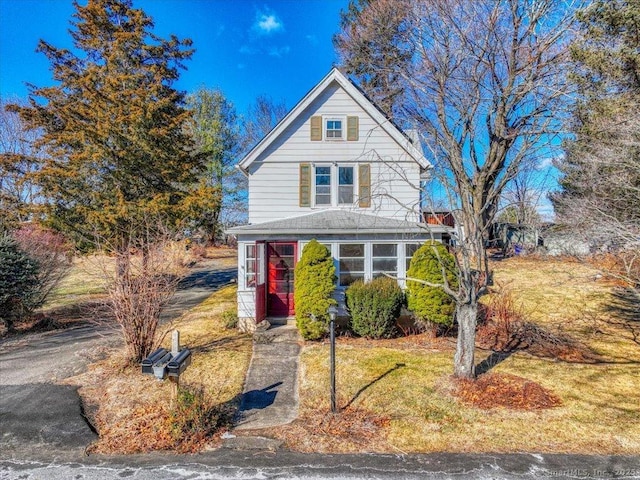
point(373, 382)
point(493, 360)
point(232, 342)
point(625, 306)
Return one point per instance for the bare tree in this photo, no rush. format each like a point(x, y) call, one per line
point(137, 299)
point(18, 160)
point(484, 86)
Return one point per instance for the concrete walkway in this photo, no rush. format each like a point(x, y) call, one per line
point(270, 394)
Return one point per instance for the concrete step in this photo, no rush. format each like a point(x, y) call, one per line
point(242, 442)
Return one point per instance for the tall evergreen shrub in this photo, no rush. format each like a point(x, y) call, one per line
point(18, 282)
point(374, 306)
point(315, 277)
point(431, 306)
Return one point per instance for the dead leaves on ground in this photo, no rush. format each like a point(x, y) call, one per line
point(495, 390)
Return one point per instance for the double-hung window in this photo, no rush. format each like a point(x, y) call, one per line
point(333, 129)
point(323, 185)
point(345, 185)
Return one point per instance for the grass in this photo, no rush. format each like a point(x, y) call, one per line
point(408, 388)
point(83, 283)
point(132, 412)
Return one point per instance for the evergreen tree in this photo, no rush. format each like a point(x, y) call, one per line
point(430, 305)
point(120, 167)
point(113, 127)
point(315, 278)
point(18, 282)
point(600, 183)
point(214, 128)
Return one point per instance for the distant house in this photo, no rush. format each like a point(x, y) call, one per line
point(337, 170)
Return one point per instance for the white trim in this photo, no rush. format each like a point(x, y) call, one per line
point(336, 76)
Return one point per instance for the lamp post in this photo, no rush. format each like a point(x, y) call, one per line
point(333, 312)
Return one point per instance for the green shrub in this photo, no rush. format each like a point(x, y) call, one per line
point(374, 307)
point(315, 278)
point(19, 284)
point(431, 306)
point(230, 318)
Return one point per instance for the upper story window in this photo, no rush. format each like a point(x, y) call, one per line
point(334, 185)
point(333, 129)
point(345, 185)
point(323, 186)
point(340, 127)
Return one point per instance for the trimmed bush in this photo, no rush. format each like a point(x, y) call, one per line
point(315, 277)
point(19, 284)
point(431, 306)
point(374, 307)
point(230, 318)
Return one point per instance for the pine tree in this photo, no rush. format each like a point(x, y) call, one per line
point(600, 196)
point(113, 127)
point(120, 166)
point(315, 278)
point(18, 282)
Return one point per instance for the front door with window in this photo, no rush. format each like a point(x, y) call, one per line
point(280, 268)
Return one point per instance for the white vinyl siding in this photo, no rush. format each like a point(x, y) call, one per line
point(274, 178)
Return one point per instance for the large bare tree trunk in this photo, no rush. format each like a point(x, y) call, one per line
point(464, 359)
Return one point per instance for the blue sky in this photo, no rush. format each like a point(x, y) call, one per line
point(280, 48)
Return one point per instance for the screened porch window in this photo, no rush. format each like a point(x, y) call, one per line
point(410, 249)
point(385, 259)
point(250, 266)
point(351, 263)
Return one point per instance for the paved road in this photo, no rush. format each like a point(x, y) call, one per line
point(36, 413)
point(229, 464)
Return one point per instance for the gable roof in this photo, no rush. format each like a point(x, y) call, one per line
point(415, 152)
point(335, 222)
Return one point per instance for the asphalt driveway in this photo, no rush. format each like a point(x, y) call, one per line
point(37, 414)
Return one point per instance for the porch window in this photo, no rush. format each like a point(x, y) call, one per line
point(351, 263)
point(345, 185)
point(385, 259)
point(410, 249)
point(323, 185)
point(333, 130)
point(250, 266)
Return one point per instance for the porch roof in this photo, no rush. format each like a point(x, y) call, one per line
point(335, 222)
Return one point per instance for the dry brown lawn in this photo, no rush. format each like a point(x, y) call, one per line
point(398, 396)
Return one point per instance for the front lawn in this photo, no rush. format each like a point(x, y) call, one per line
point(396, 395)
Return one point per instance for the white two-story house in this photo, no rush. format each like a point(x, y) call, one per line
point(337, 170)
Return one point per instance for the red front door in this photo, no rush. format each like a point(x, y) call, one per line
point(280, 271)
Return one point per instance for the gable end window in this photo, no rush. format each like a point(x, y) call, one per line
point(333, 129)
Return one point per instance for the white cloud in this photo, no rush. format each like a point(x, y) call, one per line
point(312, 39)
point(267, 23)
